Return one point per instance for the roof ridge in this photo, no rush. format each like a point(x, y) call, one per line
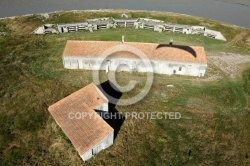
point(95, 41)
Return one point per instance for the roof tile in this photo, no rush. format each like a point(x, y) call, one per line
point(154, 51)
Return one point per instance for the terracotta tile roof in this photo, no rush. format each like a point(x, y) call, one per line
point(154, 51)
point(87, 132)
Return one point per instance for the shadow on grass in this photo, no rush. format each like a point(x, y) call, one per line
point(112, 117)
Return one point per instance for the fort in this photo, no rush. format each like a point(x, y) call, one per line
point(137, 23)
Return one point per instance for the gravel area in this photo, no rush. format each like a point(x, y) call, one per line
point(225, 64)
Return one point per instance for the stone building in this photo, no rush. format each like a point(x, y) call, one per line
point(165, 58)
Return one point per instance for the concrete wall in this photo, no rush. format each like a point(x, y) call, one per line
point(187, 30)
point(135, 65)
point(39, 30)
point(142, 23)
point(216, 34)
point(105, 143)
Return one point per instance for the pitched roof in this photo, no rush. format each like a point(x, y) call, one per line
point(86, 132)
point(154, 51)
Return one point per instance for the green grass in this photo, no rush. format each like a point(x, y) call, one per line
point(214, 129)
point(133, 35)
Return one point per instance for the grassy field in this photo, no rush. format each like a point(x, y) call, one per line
point(215, 124)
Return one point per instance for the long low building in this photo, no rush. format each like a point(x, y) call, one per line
point(165, 58)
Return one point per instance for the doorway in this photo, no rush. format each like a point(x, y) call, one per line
point(107, 64)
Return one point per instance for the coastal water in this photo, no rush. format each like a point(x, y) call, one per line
point(236, 12)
